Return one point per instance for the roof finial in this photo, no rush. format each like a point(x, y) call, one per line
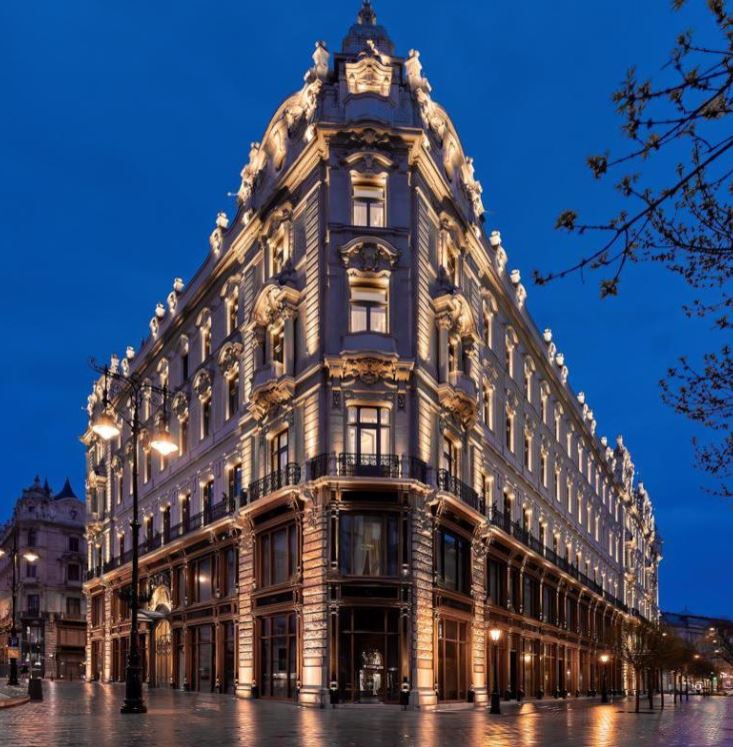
point(367, 16)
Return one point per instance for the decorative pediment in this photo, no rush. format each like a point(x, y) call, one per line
point(180, 405)
point(270, 396)
point(229, 358)
point(371, 74)
point(459, 404)
point(369, 368)
point(202, 385)
point(273, 303)
point(453, 310)
point(367, 255)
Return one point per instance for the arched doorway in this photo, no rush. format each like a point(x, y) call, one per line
point(163, 653)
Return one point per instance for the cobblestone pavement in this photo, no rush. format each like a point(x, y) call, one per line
point(77, 715)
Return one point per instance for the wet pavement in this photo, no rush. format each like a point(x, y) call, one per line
point(78, 714)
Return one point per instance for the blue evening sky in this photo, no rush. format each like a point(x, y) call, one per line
point(125, 125)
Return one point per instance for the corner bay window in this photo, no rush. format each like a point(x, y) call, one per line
point(368, 544)
point(368, 205)
point(453, 561)
point(368, 309)
point(277, 558)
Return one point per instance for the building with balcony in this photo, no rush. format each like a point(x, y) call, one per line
point(380, 457)
point(45, 540)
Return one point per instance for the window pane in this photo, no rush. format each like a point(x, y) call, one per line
point(369, 415)
point(365, 293)
point(378, 319)
point(369, 192)
point(280, 556)
point(360, 213)
point(368, 441)
point(376, 213)
point(352, 439)
point(358, 318)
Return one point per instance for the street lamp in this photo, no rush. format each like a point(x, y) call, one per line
point(13, 643)
point(105, 425)
point(604, 692)
point(495, 635)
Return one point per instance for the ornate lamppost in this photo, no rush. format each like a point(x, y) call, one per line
point(495, 635)
point(105, 425)
point(13, 643)
point(604, 689)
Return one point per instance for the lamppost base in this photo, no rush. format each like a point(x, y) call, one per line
point(495, 703)
point(604, 697)
point(133, 706)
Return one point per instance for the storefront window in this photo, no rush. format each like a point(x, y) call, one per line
point(453, 561)
point(203, 580)
point(278, 555)
point(452, 659)
point(278, 672)
point(369, 544)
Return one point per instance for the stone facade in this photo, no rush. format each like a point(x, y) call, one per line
point(372, 425)
point(50, 605)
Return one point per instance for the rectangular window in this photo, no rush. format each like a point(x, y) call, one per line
point(73, 544)
point(277, 558)
point(73, 606)
point(450, 457)
point(205, 417)
point(496, 581)
point(489, 407)
point(230, 567)
point(453, 561)
point(369, 201)
point(277, 344)
point(205, 343)
point(34, 605)
point(207, 500)
point(31, 537)
point(509, 431)
point(30, 570)
point(368, 309)
point(182, 436)
point(235, 481)
point(368, 431)
point(203, 580)
point(368, 544)
point(73, 572)
point(279, 452)
point(543, 469)
point(184, 367)
point(232, 314)
point(528, 451)
point(232, 396)
point(147, 464)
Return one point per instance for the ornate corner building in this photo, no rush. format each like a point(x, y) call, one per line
point(380, 458)
point(44, 539)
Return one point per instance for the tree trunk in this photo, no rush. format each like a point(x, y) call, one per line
point(650, 687)
point(661, 688)
point(674, 686)
point(638, 689)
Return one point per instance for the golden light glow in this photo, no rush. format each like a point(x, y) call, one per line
point(605, 658)
point(105, 426)
point(495, 634)
point(31, 557)
point(164, 443)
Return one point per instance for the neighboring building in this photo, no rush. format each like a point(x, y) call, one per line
point(50, 606)
point(381, 457)
point(712, 637)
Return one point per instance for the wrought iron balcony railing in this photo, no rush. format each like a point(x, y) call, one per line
point(451, 484)
point(369, 465)
point(274, 481)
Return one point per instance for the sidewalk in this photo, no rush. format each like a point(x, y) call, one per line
point(12, 696)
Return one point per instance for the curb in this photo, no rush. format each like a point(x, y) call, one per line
point(12, 702)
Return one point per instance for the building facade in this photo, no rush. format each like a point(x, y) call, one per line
point(45, 538)
point(380, 457)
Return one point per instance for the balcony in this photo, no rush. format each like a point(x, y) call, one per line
point(451, 484)
point(270, 388)
point(368, 465)
point(170, 534)
point(274, 481)
point(460, 396)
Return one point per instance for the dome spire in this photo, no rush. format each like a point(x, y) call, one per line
point(367, 16)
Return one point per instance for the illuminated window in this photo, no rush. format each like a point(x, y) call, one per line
point(450, 457)
point(182, 436)
point(509, 431)
point(528, 450)
point(489, 407)
point(184, 366)
point(488, 326)
point(205, 417)
point(368, 309)
point(509, 358)
point(277, 344)
point(451, 265)
point(232, 395)
point(369, 205)
point(543, 468)
point(232, 314)
point(277, 248)
point(205, 343)
point(368, 430)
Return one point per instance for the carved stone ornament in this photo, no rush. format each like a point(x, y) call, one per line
point(216, 240)
point(479, 547)
point(229, 358)
point(266, 399)
point(369, 368)
point(202, 385)
point(272, 303)
point(371, 74)
point(463, 407)
point(180, 406)
point(369, 256)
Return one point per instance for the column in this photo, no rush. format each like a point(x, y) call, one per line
point(315, 604)
point(245, 653)
point(478, 637)
point(444, 323)
point(288, 316)
point(422, 681)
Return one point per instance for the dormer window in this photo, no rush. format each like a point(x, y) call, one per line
point(369, 204)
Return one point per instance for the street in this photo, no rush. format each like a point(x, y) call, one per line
point(88, 714)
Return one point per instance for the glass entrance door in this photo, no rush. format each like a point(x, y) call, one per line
point(163, 654)
point(368, 662)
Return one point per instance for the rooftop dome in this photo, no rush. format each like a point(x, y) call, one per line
point(367, 29)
